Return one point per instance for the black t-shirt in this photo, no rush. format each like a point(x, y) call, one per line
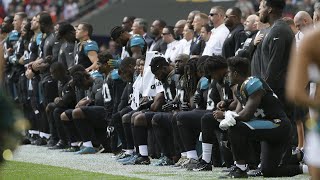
point(275, 53)
point(233, 41)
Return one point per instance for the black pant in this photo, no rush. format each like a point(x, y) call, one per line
point(49, 91)
point(211, 133)
point(59, 126)
point(116, 121)
point(189, 125)
point(162, 127)
point(274, 142)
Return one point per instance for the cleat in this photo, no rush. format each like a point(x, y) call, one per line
point(203, 166)
point(142, 160)
point(180, 161)
point(131, 160)
point(60, 145)
point(163, 161)
point(86, 150)
point(190, 164)
point(235, 173)
point(72, 149)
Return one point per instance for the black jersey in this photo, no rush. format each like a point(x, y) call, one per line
point(33, 47)
point(67, 93)
point(18, 53)
point(107, 94)
point(218, 92)
point(181, 94)
point(170, 85)
point(126, 97)
point(66, 54)
point(95, 92)
point(81, 52)
point(202, 90)
point(269, 108)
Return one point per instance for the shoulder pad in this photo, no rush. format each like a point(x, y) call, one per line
point(90, 46)
point(14, 36)
point(114, 74)
point(204, 83)
point(96, 74)
point(252, 84)
point(38, 38)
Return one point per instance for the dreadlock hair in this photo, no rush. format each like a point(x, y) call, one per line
point(79, 77)
point(201, 65)
point(76, 68)
point(191, 77)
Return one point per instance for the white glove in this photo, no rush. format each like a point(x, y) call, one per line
point(228, 120)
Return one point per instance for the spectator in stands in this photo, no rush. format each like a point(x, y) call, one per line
point(198, 45)
point(127, 23)
point(219, 33)
point(70, 10)
point(172, 44)
point(316, 13)
point(156, 30)
point(290, 22)
point(140, 26)
point(191, 16)
point(178, 29)
point(237, 34)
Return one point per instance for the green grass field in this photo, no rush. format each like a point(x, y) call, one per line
point(21, 170)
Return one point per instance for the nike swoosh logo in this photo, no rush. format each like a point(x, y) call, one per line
point(275, 39)
point(56, 42)
point(70, 53)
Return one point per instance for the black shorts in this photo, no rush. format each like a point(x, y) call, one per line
point(96, 115)
point(68, 113)
point(149, 115)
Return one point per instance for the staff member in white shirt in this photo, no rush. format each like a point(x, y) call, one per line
point(219, 33)
point(173, 45)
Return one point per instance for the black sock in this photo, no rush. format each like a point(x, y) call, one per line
point(141, 135)
point(70, 130)
point(85, 129)
point(128, 134)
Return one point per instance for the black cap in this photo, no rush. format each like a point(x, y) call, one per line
point(158, 62)
point(116, 32)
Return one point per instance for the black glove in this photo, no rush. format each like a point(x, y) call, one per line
point(170, 106)
point(185, 107)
